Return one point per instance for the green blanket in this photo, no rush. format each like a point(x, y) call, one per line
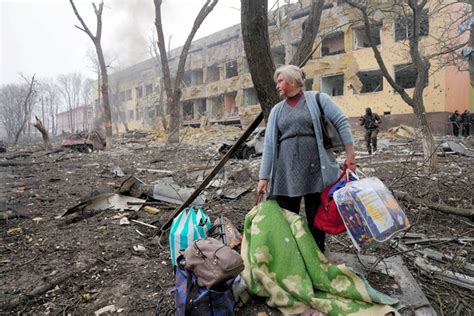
point(284, 264)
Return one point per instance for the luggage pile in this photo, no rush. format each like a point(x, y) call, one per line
point(207, 268)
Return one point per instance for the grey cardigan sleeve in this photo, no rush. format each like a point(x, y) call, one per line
point(340, 121)
point(268, 147)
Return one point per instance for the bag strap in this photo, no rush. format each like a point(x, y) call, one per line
point(348, 173)
point(192, 289)
point(259, 198)
point(318, 101)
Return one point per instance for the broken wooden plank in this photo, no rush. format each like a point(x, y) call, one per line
point(216, 170)
point(455, 278)
point(469, 213)
point(165, 172)
point(441, 257)
point(426, 240)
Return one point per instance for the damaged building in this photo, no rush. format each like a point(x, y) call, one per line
point(217, 84)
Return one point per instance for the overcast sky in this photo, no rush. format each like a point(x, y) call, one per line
point(38, 36)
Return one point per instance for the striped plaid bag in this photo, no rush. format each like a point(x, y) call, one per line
point(189, 225)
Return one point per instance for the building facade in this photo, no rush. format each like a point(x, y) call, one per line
point(73, 121)
point(217, 84)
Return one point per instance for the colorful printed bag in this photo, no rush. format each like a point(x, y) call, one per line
point(370, 212)
point(191, 299)
point(188, 226)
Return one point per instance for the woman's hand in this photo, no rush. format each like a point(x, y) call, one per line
point(350, 162)
point(262, 186)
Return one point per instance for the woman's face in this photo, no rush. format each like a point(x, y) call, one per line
point(285, 88)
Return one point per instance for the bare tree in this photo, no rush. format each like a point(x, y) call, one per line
point(103, 69)
point(254, 17)
point(70, 86)
point(158, 101)
point(11, 97)
point(310, 30)
point(420, 62)
point(254, 22)
point(50, 96)
point(16, 102)
point(173, 93)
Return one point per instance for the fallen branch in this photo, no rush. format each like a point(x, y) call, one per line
point(213, 173)
point(469, 213)
point(443, 258)
point(455, 278)
point(37, 291)
point(17, 163)
point(426, 240)
point(18, 155)
point(44, 133)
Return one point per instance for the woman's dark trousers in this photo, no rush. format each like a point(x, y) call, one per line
point(311, 203)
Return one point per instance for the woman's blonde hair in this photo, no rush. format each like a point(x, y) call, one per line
point(290, 73)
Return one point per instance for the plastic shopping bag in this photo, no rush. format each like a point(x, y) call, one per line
point(370, 213)
point(189, 225)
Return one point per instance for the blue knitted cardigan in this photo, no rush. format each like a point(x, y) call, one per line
point(329, 166)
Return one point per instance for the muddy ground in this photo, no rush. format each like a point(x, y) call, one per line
point(85, 261)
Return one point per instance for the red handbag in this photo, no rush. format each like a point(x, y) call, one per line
point(327, 217)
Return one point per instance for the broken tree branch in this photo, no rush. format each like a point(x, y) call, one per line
point(216, 169)
point(469, 213)
point(37, 291)
point(44, 133)
point(447, 276)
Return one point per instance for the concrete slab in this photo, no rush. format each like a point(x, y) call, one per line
point(411, 296)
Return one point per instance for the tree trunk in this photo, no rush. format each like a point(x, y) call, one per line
point(258, 51)
point(104, 87)
point(44, 133)
point(310, 30)
point(422, 66)
point(173, 94)
point(103, 69)
point(471, 58)
point(26, 109)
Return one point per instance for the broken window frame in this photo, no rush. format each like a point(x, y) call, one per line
point(250, 94)
point(405, 82)
point(231, 69)
point(212, 74)
point(148, 89)
point(373, 28)
point(334, 93)
point(128, 94)
point(233, 108)
point(200, 107)
point(329, 37)
point(187, 110)
point(403, 26)
point(371, 86)
point(216, 106)
point(139, 92)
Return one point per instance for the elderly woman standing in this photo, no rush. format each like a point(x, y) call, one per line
point(295, 163)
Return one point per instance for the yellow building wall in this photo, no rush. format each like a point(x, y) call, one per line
point(445, 86)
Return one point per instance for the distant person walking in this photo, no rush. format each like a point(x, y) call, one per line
point(371, 122)
point(466, 123)
point(456, 119)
